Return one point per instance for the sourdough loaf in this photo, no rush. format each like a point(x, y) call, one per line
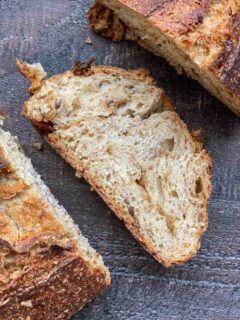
point(121, 132)
point(47, 268)
point(201, 38)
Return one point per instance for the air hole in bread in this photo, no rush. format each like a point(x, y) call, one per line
point(110, 150)
point(160, 188)
point(130, 210)
point(141, 182)
point(170, 224)
point(125, 133)
point(85, 131)
point(102, 83)
point(198, 186)
point(140, 105)
point(129, 112)
point(174, 194)
point(121, 104)
point(168, 144)
point(58, 104)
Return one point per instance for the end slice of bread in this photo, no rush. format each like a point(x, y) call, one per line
point(48, 269)
point(121, 132)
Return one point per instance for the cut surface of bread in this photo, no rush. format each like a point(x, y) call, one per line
point(201, 38)
point(48, 270)
point(121, 132)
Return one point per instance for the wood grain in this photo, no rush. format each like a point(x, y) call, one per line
point(208, 287)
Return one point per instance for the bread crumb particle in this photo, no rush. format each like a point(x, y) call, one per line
point(38, 145)
point(78, 175)
point(27, 304)
point(88, 40)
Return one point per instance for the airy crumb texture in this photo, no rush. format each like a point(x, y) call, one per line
point(201, 38)
point(48, 269)
point(120, 131)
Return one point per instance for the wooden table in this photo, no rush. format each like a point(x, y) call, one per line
point(207, 288)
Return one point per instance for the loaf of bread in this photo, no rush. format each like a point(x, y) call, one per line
point(121, 132)
point(47, 268)
point(201, 37)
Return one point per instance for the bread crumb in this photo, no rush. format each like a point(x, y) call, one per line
point(92, 189)
point(38, 145)
point(27, 304)
point(78, 175)
point(88, 40)
point(3, 115)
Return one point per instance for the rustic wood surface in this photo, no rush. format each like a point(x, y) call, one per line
point(208, 287)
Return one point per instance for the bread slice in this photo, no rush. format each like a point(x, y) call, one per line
point(47, 268)
point(120, 131)
point(201, 38)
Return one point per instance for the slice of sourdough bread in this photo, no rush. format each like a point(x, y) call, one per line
point(201, 38)
point(120, 131)
point(48, 269)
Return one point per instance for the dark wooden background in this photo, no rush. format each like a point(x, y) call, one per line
point(208, 287)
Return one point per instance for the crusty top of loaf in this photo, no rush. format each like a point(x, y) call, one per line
point(35, 231)
point(208, 31)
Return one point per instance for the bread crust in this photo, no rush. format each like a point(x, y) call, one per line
point(52, 291)
point(106, 23)
point(197, 28)
point(226, 65)
point(44, 273)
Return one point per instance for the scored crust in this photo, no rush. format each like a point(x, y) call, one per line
point(121, 211)
point(44, 271)
point(205, 35)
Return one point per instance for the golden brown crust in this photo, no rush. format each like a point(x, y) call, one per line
point(10, 186)
point(34, 222)
point(44, 274)
point(172, 15)
point(206, 31)
point(82, 68)
point(10, 183)
point(56, 286)
point(226, 65)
